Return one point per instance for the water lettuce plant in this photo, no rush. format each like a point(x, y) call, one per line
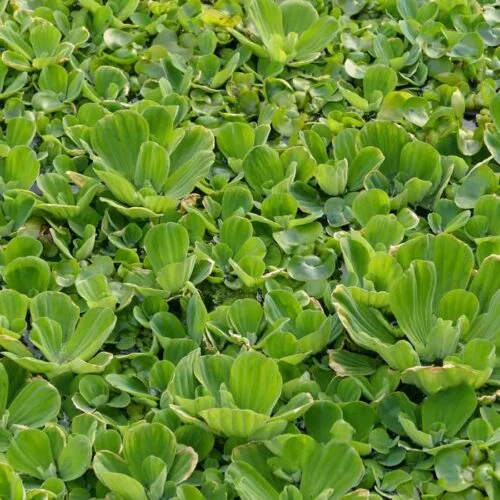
point(249, 250)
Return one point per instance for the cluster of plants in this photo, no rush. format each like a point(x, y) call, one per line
point(250, 249)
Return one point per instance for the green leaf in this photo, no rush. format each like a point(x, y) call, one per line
point(392, 407)
point(174, 276)
point(457, 303)
point(112, 132)
point(112, 471)
point(236, 200)
point(485, 282)
point(411, 301)
point(161, 123)
point(54, 79)
point(153, 165)
point(245, 316)
point(359, 319)
point(198, 438)
point(469, 46)
point(147, 440)
point(479, 181)
point(20, 131)
point(11, 485)
point(75, 458)
point(367, 160)
point(352, 97)
point(299, 237)
point(417, 111)
point(235, 139)
point(279, 304)
point(195, 140)
point(452, 470)
point(389, 138)
point(361, 416)
point(421, 160)
point(225, 73)
point(379, 78)
point(128, 383)
point(44, 38)
point(249, 483)
point(182, 180)
point(4, 385)
point(311, 267)
point(16, 42)
point(35, 405)
point(184, 464)
point(27, 275)
point(108, 80)
point(332, 177)
point(13, 308)
point(234, 422)
point(166, 244)
point(235, 231)
point(255, 382)
point(318, 476)
point(197, 317)
point(21, 167)
point(384, 230)
point(297, 16)
point(95, 290)
point(474, 369)
point(417, 436)
point(266, 16)
point(58, 307)
point(489, 206)
point(370, 203)
point(320, 418)
point(213, 371)
point(453, 407)
point(451, 274)
point(262, 168)
point(495, 111)
point(315, 38)
point(94, 328)
point(30, 453)
point(346, 363)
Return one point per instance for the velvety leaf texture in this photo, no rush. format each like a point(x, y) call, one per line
point(249, 250)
